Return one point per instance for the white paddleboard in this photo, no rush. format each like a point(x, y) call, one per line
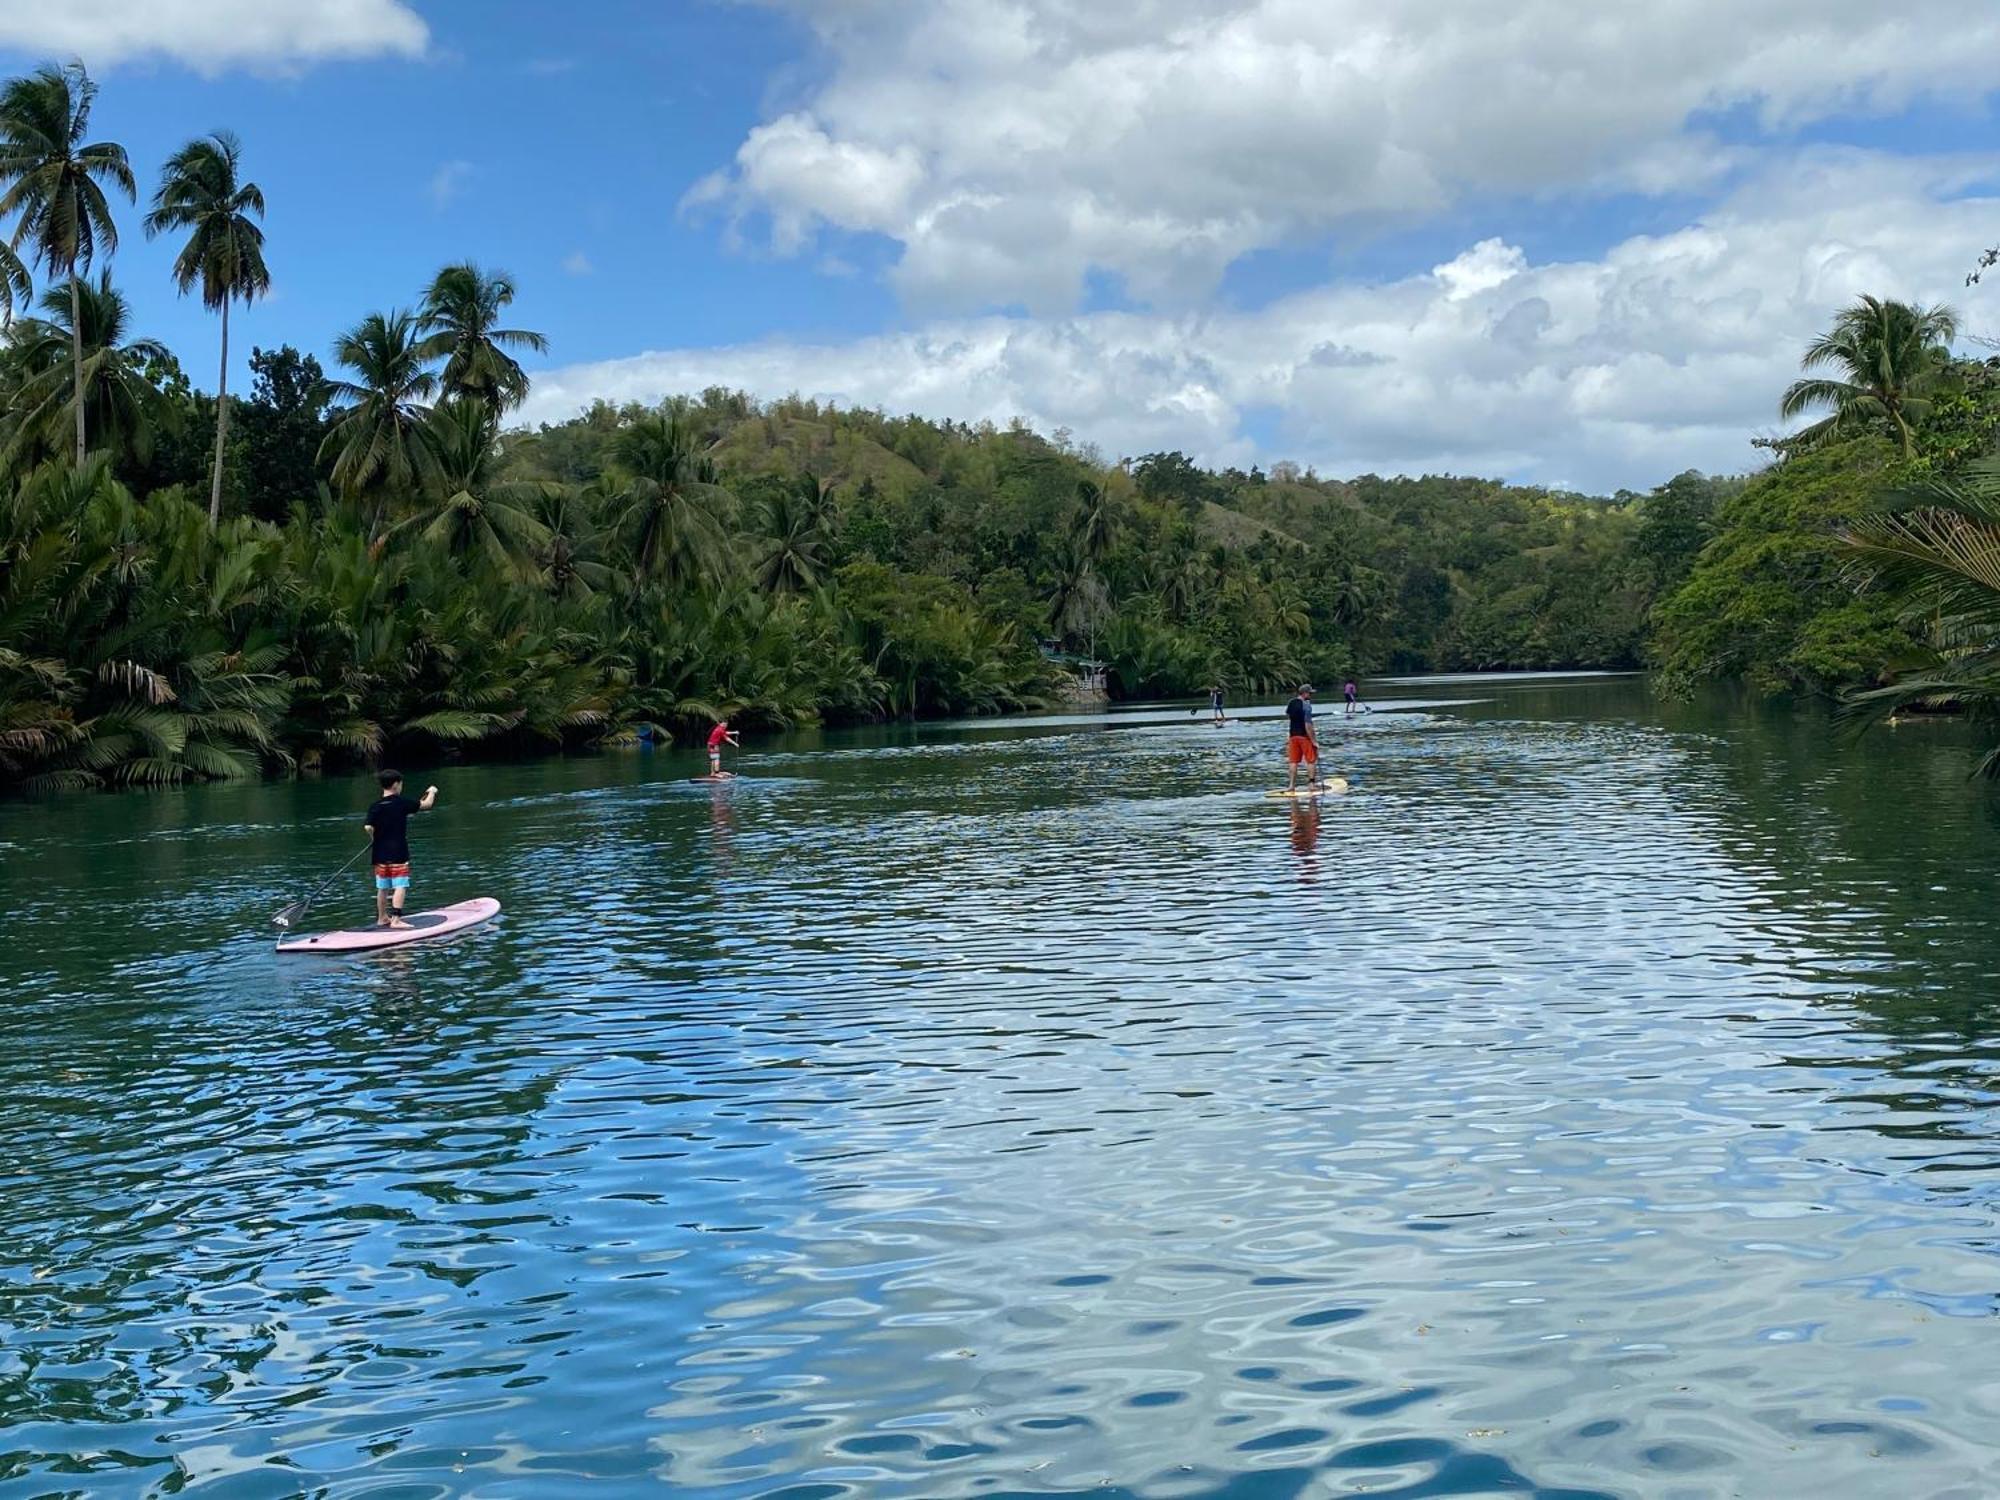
point(1333, 784)
point(425, 924)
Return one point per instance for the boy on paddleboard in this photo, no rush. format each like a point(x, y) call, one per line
point(719, 736)
point(388, 828)
point(1215, 702)
point(1302, 748)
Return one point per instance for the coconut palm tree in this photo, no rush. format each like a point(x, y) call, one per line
point(1890, 356)
point(378, 443)
point(789, 558)
point(669, 509)
point(55, 182)
point(200, 191)
point(17, 288)
point(1095, 525)
point(469, 510)
point(1936, 548)
point(78, 348)
point(570, 564)
point(458, 321)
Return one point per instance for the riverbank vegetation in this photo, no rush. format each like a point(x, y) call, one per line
point(371, 558)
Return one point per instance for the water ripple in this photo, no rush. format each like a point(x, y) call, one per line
point(1596, 1101)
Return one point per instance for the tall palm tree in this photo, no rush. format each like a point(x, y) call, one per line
point(470, 511)
point(1095, 524)
point(200, 191)
point(54, 178)
point(458, 320)
point(378, 442)
point(669, 507)
point(571, 563)
point(78, 348)
point(1890, 356)
point(17, 288)
point(789, 557)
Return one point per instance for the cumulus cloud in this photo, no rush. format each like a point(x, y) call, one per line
point(211, 35)
point(1012, 147)
point(1666, 352)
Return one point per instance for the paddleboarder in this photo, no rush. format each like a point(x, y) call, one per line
point(1353, 694)
point(1215, 702)
point(719, 736)
point(1302, 747)
point(388, 829)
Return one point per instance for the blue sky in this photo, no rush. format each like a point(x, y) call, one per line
point(530, 135)
point(1552, 242)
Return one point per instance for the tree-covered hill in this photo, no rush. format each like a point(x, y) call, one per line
point(363, 555)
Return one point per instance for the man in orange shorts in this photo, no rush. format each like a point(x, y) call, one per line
point(1303, 746)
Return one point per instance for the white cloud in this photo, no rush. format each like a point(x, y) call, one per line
point(1012, 146)
point(447, 182)
point(1667, 352)
point(576, 263)
point(211, 35)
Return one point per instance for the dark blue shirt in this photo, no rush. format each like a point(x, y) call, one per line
point(390, 818)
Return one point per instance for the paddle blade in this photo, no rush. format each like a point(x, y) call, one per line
point(289, 915)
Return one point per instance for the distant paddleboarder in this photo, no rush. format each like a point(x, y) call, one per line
point(1302, 747)
point(388, 829)
point(719, 736)
point(1353, 694)
point(1215, 702)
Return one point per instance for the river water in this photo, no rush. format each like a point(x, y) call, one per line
point(1596, 1101)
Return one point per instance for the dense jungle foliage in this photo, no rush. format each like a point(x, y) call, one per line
point(363, 559)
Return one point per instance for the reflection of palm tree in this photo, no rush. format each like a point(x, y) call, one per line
point(54, 178)
point(1940, 554)
point(1890, 354)
point(199, 191)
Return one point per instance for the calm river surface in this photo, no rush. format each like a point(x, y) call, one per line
point(1595, 1102)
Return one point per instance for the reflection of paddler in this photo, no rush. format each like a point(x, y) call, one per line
point(721, 815)
point(1305, 827)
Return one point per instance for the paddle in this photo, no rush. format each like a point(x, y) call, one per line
point(286, 916)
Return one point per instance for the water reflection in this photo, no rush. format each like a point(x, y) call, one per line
point(1031, 1114)
point(1305, 839)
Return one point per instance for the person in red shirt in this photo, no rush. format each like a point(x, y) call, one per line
point(719, 736)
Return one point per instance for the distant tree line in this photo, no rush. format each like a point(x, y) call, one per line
point(363, 559)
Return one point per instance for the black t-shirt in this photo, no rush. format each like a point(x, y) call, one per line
point(1299, 712)
point(390, 818)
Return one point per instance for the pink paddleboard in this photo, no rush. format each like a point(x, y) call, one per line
point(425, 924)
